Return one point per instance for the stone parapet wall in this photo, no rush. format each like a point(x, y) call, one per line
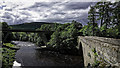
point(100, 51)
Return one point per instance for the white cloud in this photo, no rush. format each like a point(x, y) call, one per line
point(55, 0)
point(20, 12)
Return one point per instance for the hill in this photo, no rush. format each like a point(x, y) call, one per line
point(32, 25)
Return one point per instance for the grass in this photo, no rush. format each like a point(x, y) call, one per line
point(8, 56)
point(9, 44)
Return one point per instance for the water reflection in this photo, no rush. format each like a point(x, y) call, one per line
point(59, 59)
point(28, 56)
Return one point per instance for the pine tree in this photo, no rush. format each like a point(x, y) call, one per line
point(92, 18)
point(104, 13)
point(116, 13)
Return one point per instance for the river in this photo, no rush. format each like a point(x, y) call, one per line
point(28, 56)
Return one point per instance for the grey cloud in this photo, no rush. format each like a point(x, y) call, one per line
point(47, 7)
point(56, 20)
point(12, 19)
point(61, 13)
point(68, 19)
point(8, 9)
point(25, 13)
point(2, 6)
point(77, 5)
point(39, 5)
point(7, 15)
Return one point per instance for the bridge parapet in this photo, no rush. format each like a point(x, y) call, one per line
point(100, 51)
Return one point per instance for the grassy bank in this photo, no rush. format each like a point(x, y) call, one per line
point(8, 56)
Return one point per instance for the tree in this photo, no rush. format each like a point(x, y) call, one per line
point(10, 36)
point(65, 37)
point(92, 18)
point(100, 12)
point(104, 13)
point(107, 14)
point(116, 14)
point(88, 29)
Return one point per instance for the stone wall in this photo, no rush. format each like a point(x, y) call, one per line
point(99, 51)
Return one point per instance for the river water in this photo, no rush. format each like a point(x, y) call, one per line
point(28, 56)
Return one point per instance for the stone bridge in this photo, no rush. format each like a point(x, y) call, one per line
point(44, 34)
point(99, 51)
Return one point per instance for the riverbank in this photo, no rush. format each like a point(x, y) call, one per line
point(8, 55)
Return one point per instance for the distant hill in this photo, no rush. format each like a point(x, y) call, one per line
point(32, 25)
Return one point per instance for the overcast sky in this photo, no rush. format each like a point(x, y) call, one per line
point(44, 11)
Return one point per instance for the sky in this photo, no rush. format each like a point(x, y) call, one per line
point(60, 11)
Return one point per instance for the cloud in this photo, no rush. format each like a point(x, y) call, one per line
point(77, 5)
point(53, 0)
point(62, 12)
